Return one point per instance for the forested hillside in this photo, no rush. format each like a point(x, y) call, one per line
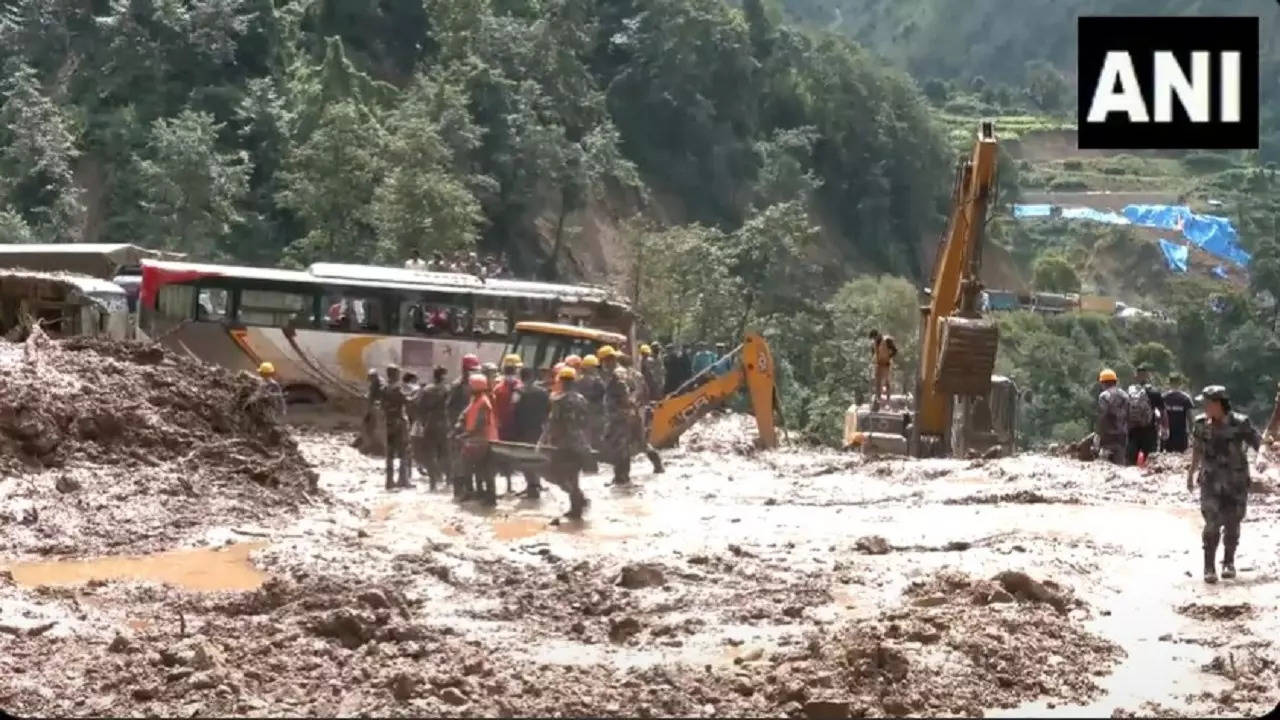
point(291, 130)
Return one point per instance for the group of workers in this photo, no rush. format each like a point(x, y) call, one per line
point(1130, 422)
point(592, 406)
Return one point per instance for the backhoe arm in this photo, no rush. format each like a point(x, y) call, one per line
point(752, 368)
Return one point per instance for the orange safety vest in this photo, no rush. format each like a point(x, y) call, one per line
point(473, 417)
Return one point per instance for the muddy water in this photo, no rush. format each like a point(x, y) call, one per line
point(204, 570)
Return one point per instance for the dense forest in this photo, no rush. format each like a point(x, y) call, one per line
point(353, 130)
point(728, 165)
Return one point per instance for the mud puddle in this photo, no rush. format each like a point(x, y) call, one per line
point(202, 570)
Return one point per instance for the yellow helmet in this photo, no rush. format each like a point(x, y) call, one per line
point(606, 351)
point(1107, 375)
point(567, 373)
point(512, 360)
point(266, 368)
point(646, 350)
point(591, 361)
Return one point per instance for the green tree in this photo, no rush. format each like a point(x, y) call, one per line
point(1155, 356)
point(420, 204)
point(1046, 87)
point(37, 152)
point(1053, 273)
point(189, 189)
point(13, 229)
point(329, 182)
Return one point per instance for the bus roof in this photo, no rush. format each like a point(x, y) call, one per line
point(101, 260)
point(547, 328)
point(365, 276)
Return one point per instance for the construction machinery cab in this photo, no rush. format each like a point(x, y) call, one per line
point(541, 345)
point(991, 422)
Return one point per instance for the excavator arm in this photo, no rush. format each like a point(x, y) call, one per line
point(752, 367)
point(958, 346)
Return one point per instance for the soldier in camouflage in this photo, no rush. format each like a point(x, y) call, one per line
point(642, 416)
point(566, 433)
point(371, 437)
point(430, 430)
point(1219, 464)
point(1112, 431)
point(616, 444)
point(395, 401)
point(459, 397)
point(591, 385)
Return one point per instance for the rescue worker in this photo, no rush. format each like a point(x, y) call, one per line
point(395, 401)
point(555, 376)
point(591, 386)
point(650, 370)
point(504, 398)
point(659, 372)
point(478, 428)
point(1112, 431)
point(1220, 466)
point(490, 372)
point(883, 350)
point(643, 413)
point(1177, 411)
point(372, 439)
point(459, 397)
point(621, 417)
point(574, 362)
point(531, 409)
point(1146, 416)
point(566, 434)
point(430, 431)
point(271, 388)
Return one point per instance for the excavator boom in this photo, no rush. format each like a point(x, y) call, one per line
point(753, 368)
point(958, 346)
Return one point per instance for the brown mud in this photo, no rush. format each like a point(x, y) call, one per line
point(109, 448)
point(796, 582)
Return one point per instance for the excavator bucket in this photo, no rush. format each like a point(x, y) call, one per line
point(968, 356)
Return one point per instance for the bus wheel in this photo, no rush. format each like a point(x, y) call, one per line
point(304, 395)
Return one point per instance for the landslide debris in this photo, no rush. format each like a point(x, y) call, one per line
point(87, 419)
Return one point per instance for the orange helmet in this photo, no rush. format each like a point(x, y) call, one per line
point(470, 362)
point(573, 361)
point(478, 383)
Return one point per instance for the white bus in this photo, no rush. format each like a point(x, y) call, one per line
point(324, 327)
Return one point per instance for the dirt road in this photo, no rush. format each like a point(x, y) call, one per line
point(795, 582)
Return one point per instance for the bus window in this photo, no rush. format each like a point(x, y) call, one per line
point(176, 301)
point(349, 313)
point(429, 316)
point(212, 305)
point(493, 316)
point(273, 308)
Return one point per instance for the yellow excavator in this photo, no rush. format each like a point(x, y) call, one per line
point(958, 407)
point(750, 365)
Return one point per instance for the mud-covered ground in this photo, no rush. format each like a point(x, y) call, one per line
point(793, 582)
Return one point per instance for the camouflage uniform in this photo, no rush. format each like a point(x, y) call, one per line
point(395, 403)
point(619, 432)
point(431, 431)
point(591, 386)
point(275, 397)
point(567, 435)
point(459, 398)
point(1224, 479)
point(1113, 425)
point(651, 370)
point(643, 417)
point(372, 435)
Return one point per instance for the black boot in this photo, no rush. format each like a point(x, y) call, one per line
point(1210, 573)
point(656, 459)
point(1228, 562)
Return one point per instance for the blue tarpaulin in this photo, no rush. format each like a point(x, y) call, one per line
point(1028, 211)
point(1175, 255)
point(1220, 272)
point(1211, 233)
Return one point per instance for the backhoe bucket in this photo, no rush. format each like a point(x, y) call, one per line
point(968, 356)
